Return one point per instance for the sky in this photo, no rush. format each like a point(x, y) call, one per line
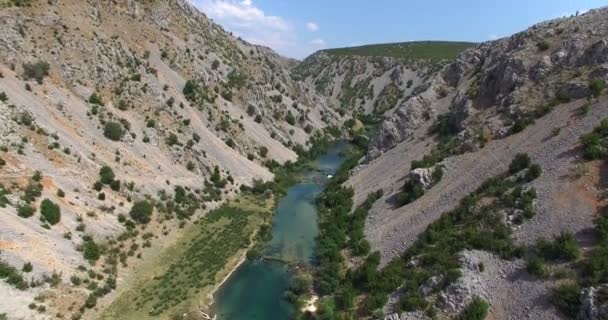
point(297, 28)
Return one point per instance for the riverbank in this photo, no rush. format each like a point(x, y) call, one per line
point(185, 274)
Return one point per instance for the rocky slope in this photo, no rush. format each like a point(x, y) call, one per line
point(375, 78)
point(155, 91)
point(536, 92)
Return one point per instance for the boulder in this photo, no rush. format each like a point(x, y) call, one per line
point(422, 176)
point(600, 73)
point(594, 305)
point(574, 90)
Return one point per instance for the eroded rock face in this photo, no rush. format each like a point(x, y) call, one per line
point(406, 316)
point(574, 90)
point(594, 303)
point(422, 176)
point(400, 125)
point(525, 70)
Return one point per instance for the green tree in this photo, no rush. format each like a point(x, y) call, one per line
point(106, 175)
point(141, 211)
point(113, 131)
point(91, 250)
point(50, 211)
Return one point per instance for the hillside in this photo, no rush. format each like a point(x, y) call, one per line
point(143, 149)
point(121, 124)
point(415, 50)
point(538, 93)
point(375, 78)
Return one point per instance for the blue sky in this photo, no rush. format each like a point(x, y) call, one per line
point(298, 28)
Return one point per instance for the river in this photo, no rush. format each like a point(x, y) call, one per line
point(255, 290)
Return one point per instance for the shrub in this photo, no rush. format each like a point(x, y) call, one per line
point(91, 250)
point(534, 172)
point(91, 301)
point(215, 64)
point(95, 99)
point(27, 267)
point(594, 144)
point(106, 175)
point(597, 86)
point(410, 193)
point(25, 211)
point(536, 267)
point(290, 118)
point(196, 137)
point(543, 45)
point(113, 131)
point(476, 310)
point(567, 299)
point(141, 211)
point(520, 162)
point(115, 185)
point(171, 139)
point(263, 151)
point(3, 96)
point(50, 211)
point(190, 166)
point(563, 246)
point(36, 71)
point(250, 110)
point(258, 118)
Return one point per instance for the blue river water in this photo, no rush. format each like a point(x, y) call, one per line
point(255, 290)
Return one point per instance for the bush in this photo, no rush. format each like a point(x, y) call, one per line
point(594, 143)
point(563, 247)
point(172, 139)
point(50, 211)
point(91, 250)
point(189, 90)
point(250, 110)
point(25, 211)
point(115, 185)
point(597, 86)
point(27, 267)
point(520, 162)
point(290, 118)
point(536, 267)
point(263, 151)
point(534, 172)
point(95, 99)
point(106, 174)
point(36, 71)
point(476, 310)
point(409, 194)
point(113, 131)
point(543, 45)
point(567, 299)
point(141, 211)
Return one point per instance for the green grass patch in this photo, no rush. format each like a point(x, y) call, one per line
point(187, 271)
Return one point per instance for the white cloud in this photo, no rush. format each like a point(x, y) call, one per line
point(249, 22)
point(246, 20)
point(493, 37)
point(317, 42)
point(312, 26)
